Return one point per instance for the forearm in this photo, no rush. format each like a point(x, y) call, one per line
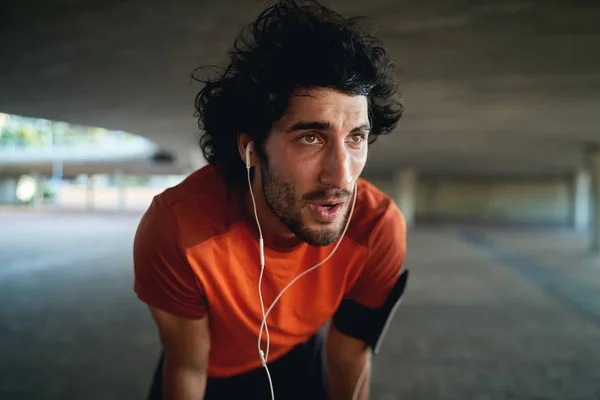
point(349, 361)
point(348, 376)
point(181, 383)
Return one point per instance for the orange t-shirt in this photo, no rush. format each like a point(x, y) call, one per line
point(196, 253)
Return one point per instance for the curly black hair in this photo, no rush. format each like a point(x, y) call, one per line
point(292, 44)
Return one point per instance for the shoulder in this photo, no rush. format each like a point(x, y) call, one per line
point(375, 215)
point(198, 208)
point(379, 227)
point(176, 220)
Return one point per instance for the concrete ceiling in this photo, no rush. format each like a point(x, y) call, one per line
point(489, 86)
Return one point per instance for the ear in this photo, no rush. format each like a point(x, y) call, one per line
point(242, 141)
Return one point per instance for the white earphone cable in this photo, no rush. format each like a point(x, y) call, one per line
point(265, 354)
point(264, 323)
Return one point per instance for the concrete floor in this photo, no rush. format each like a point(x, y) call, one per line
point(488, 314)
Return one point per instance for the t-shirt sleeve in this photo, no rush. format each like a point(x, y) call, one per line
point(385, 259)
point(163, 277)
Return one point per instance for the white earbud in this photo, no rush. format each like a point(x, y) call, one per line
point(249, 147)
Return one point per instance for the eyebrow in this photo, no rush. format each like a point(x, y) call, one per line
point(322, 125)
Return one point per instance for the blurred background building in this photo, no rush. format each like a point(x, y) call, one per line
point(495, 165)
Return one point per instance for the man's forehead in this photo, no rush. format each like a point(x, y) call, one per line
point(326, 104)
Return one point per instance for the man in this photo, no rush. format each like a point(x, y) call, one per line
point(291, 118)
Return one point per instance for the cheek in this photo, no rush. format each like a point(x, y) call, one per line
point(304, 176)
point(295, 165)
point(297, 174)
point(358, 162)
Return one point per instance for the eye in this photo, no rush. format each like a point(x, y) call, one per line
point(310, 138)
point(357, 138)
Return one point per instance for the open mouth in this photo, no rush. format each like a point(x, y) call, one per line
point(326, 212)
point(329, 206)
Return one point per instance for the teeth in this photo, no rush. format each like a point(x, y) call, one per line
point(328, 205)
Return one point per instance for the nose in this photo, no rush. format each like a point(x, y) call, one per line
point(337, 168)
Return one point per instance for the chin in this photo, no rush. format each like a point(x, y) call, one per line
point(319, 234)
point(315, 232)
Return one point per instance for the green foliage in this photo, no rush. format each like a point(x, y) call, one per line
point(26, 132)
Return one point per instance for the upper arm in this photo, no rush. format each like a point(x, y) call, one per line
point(165, 281)
point(186, 341)
point(163, 278)
point(386, 254)
point(342, 348)
point(370, 302)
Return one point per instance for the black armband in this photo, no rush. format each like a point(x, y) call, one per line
point(370, 324)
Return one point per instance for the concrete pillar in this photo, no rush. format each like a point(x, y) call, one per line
point(582, 182)
point(57, 176)
point(90, 193)
point(38, 198)
point(405, 193)
point(595, 226)
point(121, 191)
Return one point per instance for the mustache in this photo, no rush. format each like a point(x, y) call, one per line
point(324, 195)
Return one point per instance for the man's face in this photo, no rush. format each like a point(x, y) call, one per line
point(316, 152)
